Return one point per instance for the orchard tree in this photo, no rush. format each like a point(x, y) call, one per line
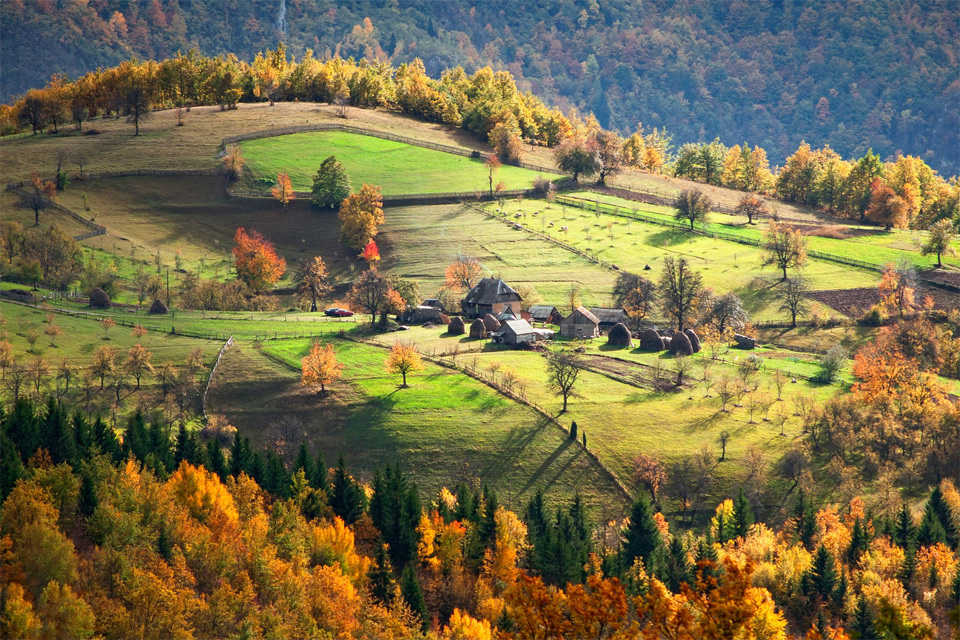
point(138, 362)
point(493, 164)
point(939, 241)
point(692, 205)
point(283, 190)
point(463, 273)
point(897, 286)
point(578, 156)
point(331, 185)
point(369, 292)
point(320, 366)
point(783, 247)
point(752, 207)
point(680, 288)
point(610, 155)
point(311, 279)
point(137, 105)
point(793, 298)
point(404, 359)
point(40, 195)
point(563, 369)
point(256, 261)
point(361, 215)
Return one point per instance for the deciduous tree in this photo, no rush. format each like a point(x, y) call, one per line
point(361, 215)
point(783, 247)
point(635, 294)
point(939, 241)
point(692, 205)
point(463, 273)
point(752, 207)
point(793, 298)
point(563, 369)
point(404, 359)
point(256, 261)
point(138, 362)
point(886, 207)
point(283, 190)
point(320, 366)
point(369, 292)
point(40, 195)
point(311, 279)
point(578, 156)
point(680, 288)
point(331, 185)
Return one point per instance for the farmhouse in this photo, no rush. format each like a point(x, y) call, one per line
point(545, 313)
point(515, 332)
point(609, 317)
point(490, 295)
point(580, 324)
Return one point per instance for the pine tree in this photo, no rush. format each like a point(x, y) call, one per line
point(164, 546)
point(305, 461)
point(320, 478)
point(276, 481)
point(805, 520)
point(136, 440)
point(742, 515)
point(239, 455)
point(677, 568)
point(942, 510)
point(859, 542)
point(215, 459)
point(256, 468)
point(61, 441)
point(707, 552)
point(23, 428)
point(11, 466)
point(822, 577)
point(839, 595)
point(160, 447)
point(106, 439)
point(488, 526)
point(83, 435)
point(863, 627)
point(904, 531)
point(466, 510)
point(381, 574)
point(347, 500)
point(413, 595)
point(573, 430)
point(931, 529)
point(642, 538)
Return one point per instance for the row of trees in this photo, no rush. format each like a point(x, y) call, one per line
point(489, 104)
point(185, 531)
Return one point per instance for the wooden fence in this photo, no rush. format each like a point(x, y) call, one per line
point(213, 371)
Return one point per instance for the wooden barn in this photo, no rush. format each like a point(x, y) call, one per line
point(580, 324)
point(610, 317)
point(515, 332)
point(490, 295)
point(545, 313)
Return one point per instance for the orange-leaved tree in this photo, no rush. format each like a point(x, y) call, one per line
point(896, 287)
point(256, 260)
point(283, 190)
point(371, 252)
point(404, 359)
point(361, 215)
point(463, 273)
point(320, 366)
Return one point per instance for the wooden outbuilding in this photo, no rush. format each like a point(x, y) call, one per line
point(545, 313)
point(490, 295)
point(515, 332)
point(609, 317)
point(580, 324)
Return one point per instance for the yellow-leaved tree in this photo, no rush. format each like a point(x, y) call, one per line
point(403, 359)
point(361, 215)
point(320, 366)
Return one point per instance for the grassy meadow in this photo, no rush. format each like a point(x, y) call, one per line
point(396, 167)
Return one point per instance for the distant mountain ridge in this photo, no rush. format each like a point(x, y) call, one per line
point(854, 75)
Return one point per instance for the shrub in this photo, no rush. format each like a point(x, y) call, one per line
point(831, 362)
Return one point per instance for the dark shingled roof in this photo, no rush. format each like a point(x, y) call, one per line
point(518, 327)
point(541, 312)
point(491, 291)
point(606, 315)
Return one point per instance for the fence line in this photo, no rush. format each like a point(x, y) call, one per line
point(213, 371)
point(402, 198)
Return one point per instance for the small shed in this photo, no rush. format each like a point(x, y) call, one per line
point(545, 313)
point(580, 324)
point(515, 332)
point(477, 330)
point(609, 317)
point(422, 313)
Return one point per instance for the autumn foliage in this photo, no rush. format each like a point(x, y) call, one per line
point(320, 366)
point(256, 261)
point(283, 190)
point(361, 215)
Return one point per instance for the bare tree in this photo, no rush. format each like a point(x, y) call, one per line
point(793, 298)
point(726, 389)
point(723, 440)
point(563, 368)
point(136, 106)
point(681, 364)
point(680, 288)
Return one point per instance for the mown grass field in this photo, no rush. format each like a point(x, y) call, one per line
point(444, 428)
point(635, 245)
point(395, 167)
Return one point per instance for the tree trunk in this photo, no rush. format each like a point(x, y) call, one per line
point(564, 404)
point(404, 374)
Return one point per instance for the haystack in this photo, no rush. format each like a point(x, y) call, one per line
point(680, 345)
point(456, 326)
point(694, 339)
point(619, 336)
point(477, 330)
point(650, 340)
point(158, 308)
point(491, 323)
point(99, 299)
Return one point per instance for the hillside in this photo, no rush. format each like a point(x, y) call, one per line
point(772, 73)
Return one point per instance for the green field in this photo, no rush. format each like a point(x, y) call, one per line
point(396, 167)
point(444, 428)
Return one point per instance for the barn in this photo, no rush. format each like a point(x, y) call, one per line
point(609, 317)
point(490, 295)
point(580, 324)
point(515, 332)
point(545, 313)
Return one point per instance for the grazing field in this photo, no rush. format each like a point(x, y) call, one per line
point(444, 428)
point(194, 217)
point(396, 167)
point(635, 245)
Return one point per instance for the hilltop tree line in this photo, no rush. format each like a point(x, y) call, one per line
point(771, 72)
point(900, 193)
point(161, 534)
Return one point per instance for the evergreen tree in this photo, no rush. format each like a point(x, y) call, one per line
point(347, 499)
point(822, 577)
point(381, 574)
point(839, 594)
point(23, 428)
point(863, 627)
point(88, 494)
point(904, 531)
point(256, 469)
point(187, 448)
point(331, 185)
point(305, 461)
point(106, 439)
point(11, 466)
point(488, 525)
point(443, 509)
point(466, 510)
point(217, 463)
point(164, 545)
point(707, 552)
point(239, 455)
point(160, 447)
point(83, 436)
point(320, 479)
point(413, 595)
point(942, 510)
point(676, 569)
point(275, 479)
point(59, 439)
point(742, 515)
point(642, 538)
point(859, 542)
point(805, 520)
point(573, 430)
point(136, 441)
point(931, 529)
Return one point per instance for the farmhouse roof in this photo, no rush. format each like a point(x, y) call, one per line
point(516, 327)
point(542, 312)
point(491, 291)
point(608, 315)
point(580, 316)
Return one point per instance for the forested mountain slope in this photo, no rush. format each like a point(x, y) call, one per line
point(854, 75)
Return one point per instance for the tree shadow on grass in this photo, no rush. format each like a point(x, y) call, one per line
point(512, 448)
point(668, 237)
point(534, 478)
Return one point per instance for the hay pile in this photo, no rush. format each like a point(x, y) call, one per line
point(158, 308)
point(456, 326)
point(491, 323)
point(99, 299)
point(619, 336)
point(650, 340)
point(477, 329)
point(680, 345)
point(694, 339)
